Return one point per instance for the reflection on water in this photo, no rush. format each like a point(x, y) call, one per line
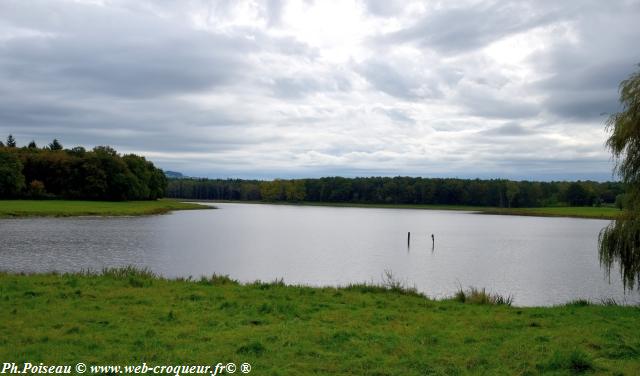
point(540, 261)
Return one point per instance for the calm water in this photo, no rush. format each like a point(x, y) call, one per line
point(540, 261)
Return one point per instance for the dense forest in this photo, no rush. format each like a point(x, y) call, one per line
point(404, 190)
point(103, 174)
point(56, 172)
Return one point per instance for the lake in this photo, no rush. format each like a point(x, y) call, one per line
point(540, 261)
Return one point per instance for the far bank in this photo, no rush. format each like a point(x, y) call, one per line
point(75, 208)
point(603, 212)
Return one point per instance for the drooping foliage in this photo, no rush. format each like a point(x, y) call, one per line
point(99, 174)
point(620, 241)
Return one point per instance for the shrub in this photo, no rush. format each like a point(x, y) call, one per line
point(36, 189)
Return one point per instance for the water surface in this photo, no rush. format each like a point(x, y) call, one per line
point(540, 261)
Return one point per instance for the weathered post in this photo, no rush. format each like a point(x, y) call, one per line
point(408, 238)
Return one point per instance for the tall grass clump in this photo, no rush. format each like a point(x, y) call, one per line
point(612, 302)
point(390, 283)
point(576, 362)
point(481, 296)
point(129, 271)
point(218, 280)
point(260, 285)
point(136, 276)
point(578, 303)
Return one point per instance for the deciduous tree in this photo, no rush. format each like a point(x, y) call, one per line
point(620, 241)
point(11, 178)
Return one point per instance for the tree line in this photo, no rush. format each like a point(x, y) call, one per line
point(55, 172)
point(404, 190)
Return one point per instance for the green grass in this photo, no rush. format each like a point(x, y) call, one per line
point(127, 317)
point(604, 212)
point(69, 208)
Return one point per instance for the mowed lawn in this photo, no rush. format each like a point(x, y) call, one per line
point(67, 208)
point(129, 317)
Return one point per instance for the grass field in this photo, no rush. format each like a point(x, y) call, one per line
point(604, 212)
point(69, 208)
point(129, 317)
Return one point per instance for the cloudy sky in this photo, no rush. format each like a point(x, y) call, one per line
point(267, 89)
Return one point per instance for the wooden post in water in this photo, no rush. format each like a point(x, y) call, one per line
point(408, 238)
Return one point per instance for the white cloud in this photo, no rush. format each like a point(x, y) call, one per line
point(308, 88)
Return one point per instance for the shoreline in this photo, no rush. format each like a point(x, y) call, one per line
point(83, 208)
point(584, 212)
point(285, 329)
point(388, 285)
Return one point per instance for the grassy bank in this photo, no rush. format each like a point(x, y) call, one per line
point(129, 317)
point(604, 212)
point(69, 208)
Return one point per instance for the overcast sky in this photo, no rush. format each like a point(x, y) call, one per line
point(267, 89)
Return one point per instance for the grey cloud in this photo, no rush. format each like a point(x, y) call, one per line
point(462, 29)
point(396, 115)
point(208, 94)
point(585, 90)
point(25, 109)
point(140, 56)
point(274, 11)
point(294, 87)
point(69, 63)
point(124, 59)
point(397, 82)
point(584, 73)
point(298, 87)
point(485, 102)
point(510, 129)
point(383, 8)
point(493, 108)
point(583, 105)
point(588, 75)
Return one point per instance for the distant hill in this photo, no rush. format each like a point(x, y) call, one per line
point(173, 174)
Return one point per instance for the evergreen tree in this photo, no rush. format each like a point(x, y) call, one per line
point(11, 142)
point(55, 145)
